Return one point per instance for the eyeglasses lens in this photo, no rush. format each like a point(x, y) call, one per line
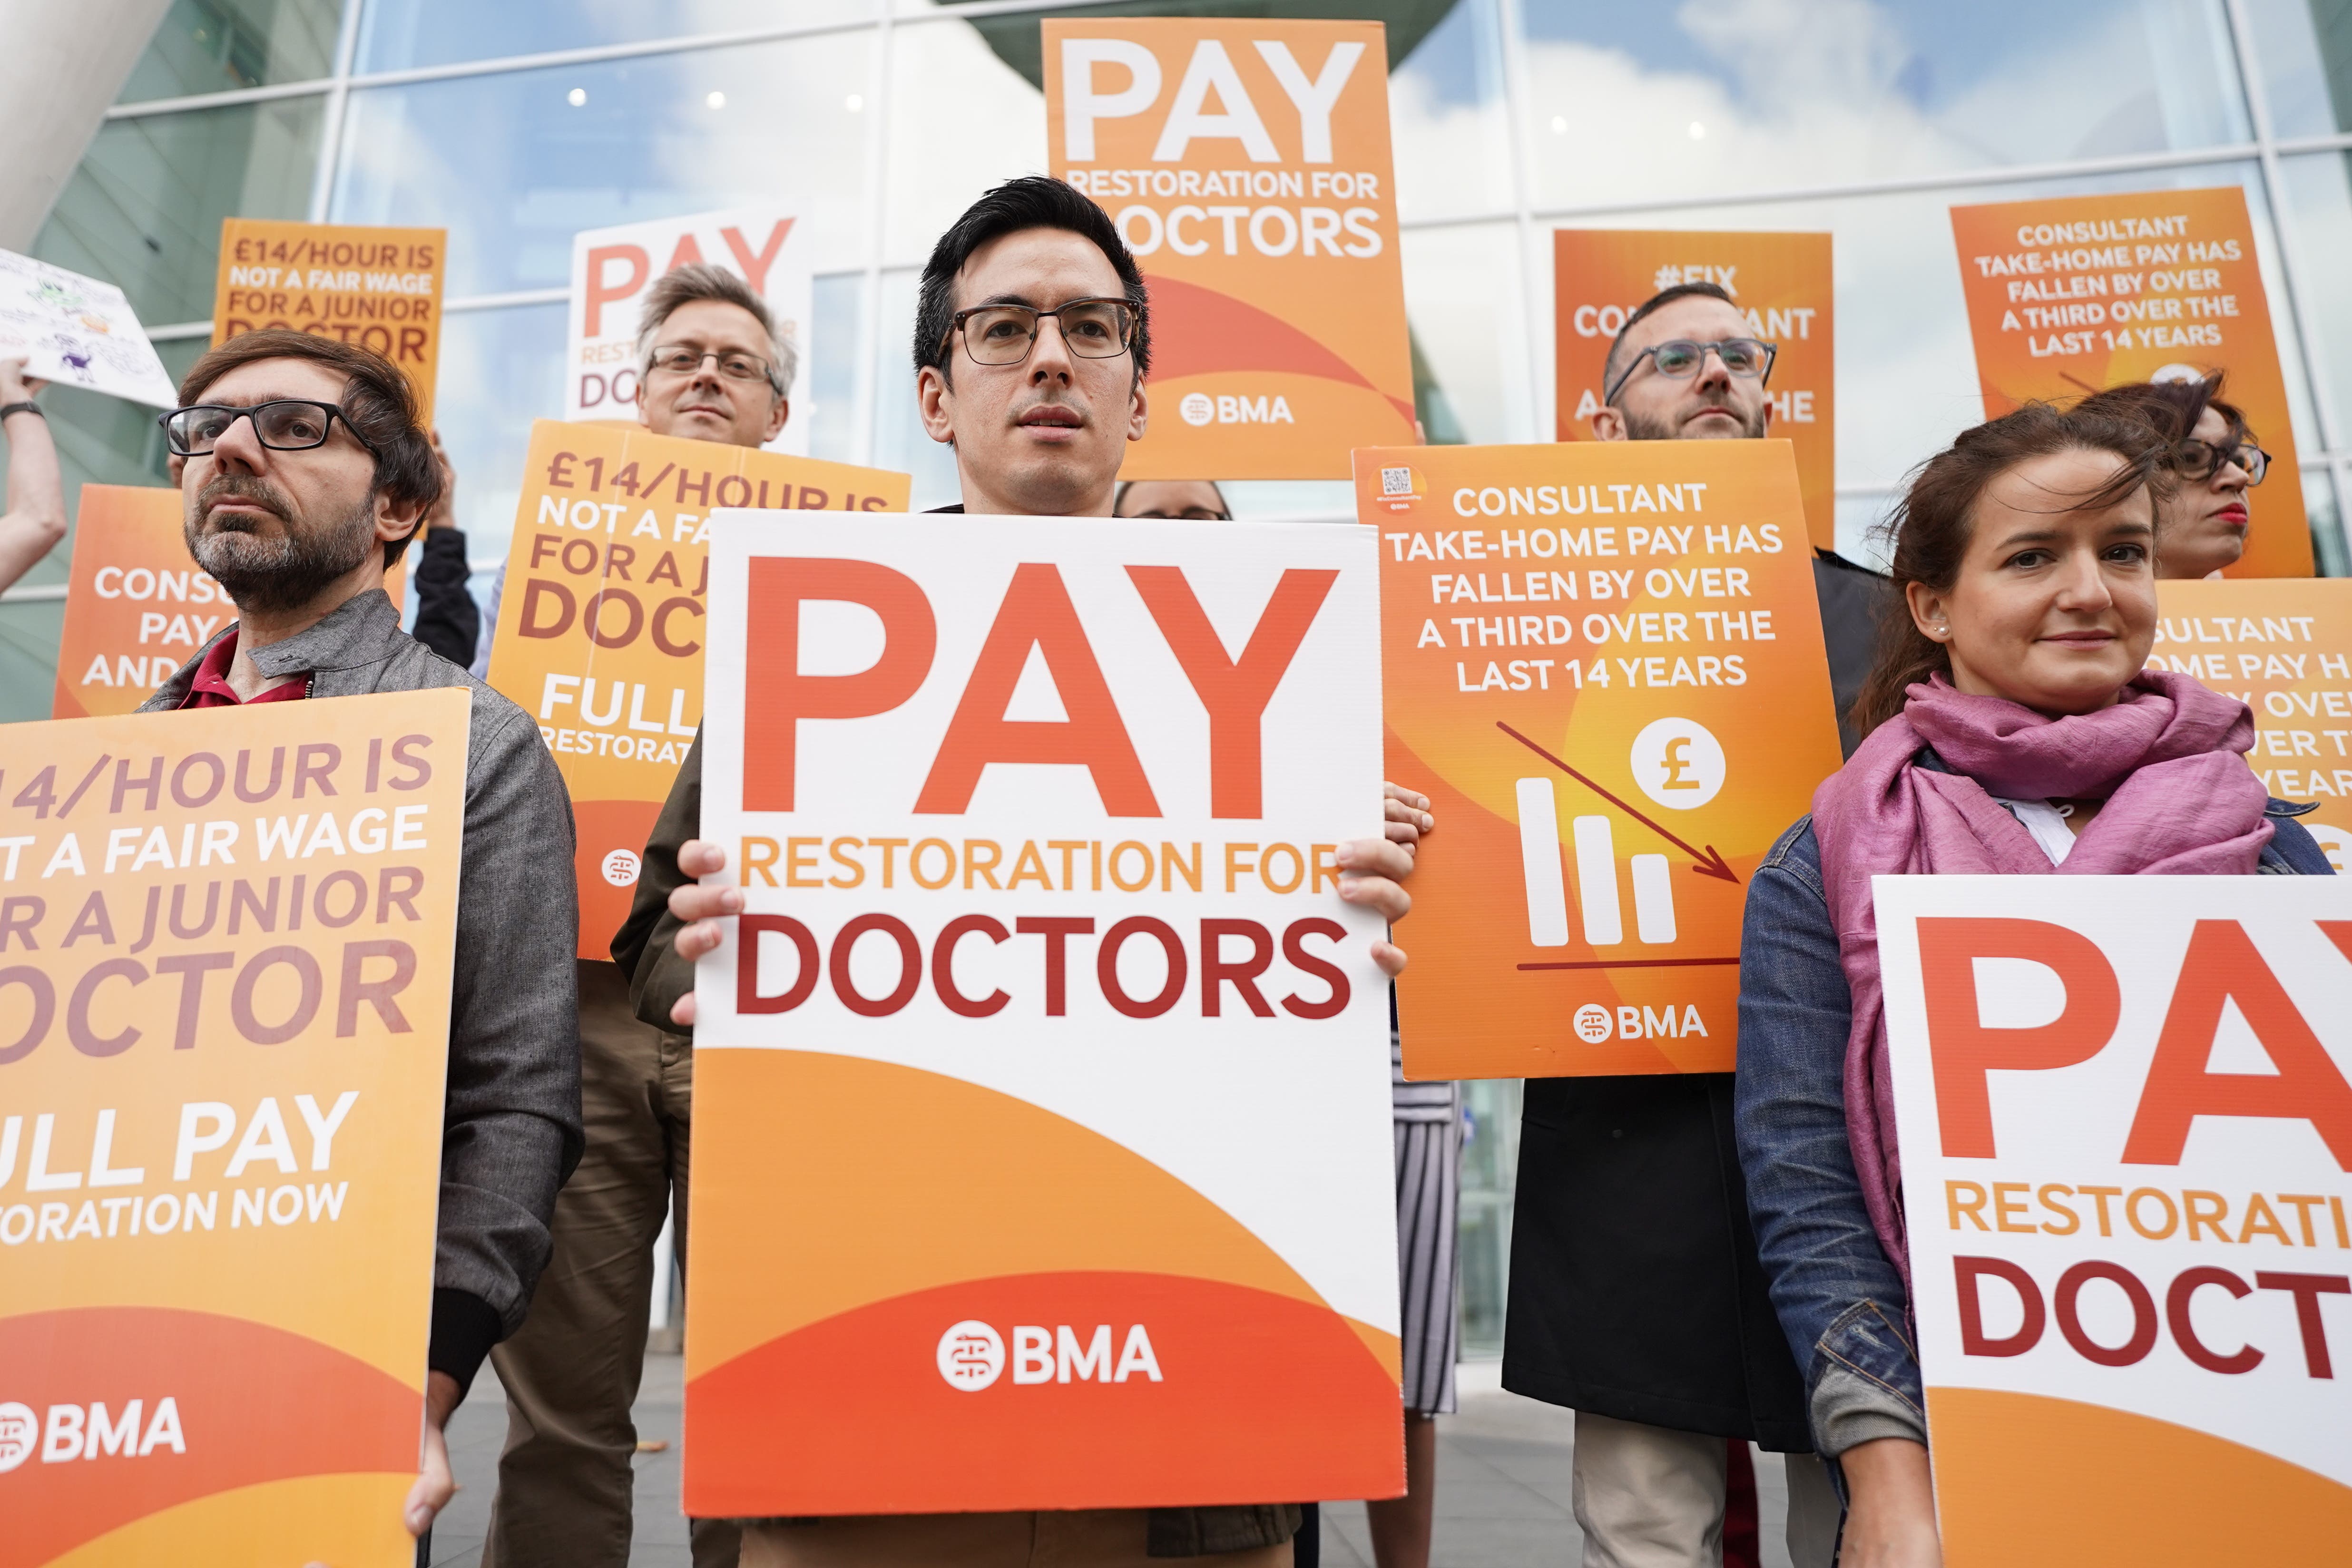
point(1741, 356)
point(290, 426)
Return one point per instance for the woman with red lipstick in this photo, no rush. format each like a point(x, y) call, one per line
point(2214, 459)
point(2013, 729)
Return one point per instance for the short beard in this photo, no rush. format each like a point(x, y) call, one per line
point(276, 576)
point(1639, 428)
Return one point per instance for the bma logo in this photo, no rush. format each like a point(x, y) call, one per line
point(1200, 408)
point(1593, 1023)
point(971, 1356)
point(85, 1432)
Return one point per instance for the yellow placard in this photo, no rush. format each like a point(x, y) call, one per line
point(379, 287)
point(600, 627)
point(1602, 662)
point(226, 939)
point(1246, 164)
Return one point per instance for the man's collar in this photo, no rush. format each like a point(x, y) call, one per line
point(356, 632)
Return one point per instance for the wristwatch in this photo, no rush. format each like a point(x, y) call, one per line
point(8, 408)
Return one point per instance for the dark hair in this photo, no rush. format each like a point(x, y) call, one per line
point(701, 280)
point(1032, 201)
point(1931, 528)
point(2170, 408)
point(377, 401)
point(1651, 307)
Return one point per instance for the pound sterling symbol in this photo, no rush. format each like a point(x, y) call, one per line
point(1675, 762)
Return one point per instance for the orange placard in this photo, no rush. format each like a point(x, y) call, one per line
point(2284, 649)
point(1247, 165)
point(2079, 293)
point(1601, 276)
point(380, 287)
point(1604, 663)
point(600, 628)
point(223, 1025)
point(137, 607)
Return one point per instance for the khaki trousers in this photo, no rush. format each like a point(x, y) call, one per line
point(565, 1479)
point(1096, 1538)
point(1648, 1496)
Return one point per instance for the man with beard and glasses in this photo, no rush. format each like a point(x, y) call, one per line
point(1637, 1298)
point(1032, 343)
point(303, 474)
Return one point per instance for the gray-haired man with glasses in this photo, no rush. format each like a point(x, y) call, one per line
point(1636, 1296)
point(714, 365)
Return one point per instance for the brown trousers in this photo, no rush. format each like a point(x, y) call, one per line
point(565, 1480)
point(1094, 1538)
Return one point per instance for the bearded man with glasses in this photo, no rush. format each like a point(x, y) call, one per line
point(1637, 1298)
point(303, 474)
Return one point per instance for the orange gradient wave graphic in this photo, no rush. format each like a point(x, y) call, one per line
point(256, 1405)
point(2029, 1481)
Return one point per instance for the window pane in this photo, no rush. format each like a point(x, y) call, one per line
point(1466, 301)
point(1447, 130)
point(2322, 504)
point(398, 34)
point(962, 119)
point(513, 167)
point(900, 443)
point(499, 371)
point(1635, 102)
point(2303, 54)
point(216, 46)
point(144, 209)
point(2319, 191)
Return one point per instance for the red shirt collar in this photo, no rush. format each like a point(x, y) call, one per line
point(209, 687)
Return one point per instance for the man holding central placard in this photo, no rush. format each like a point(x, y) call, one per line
point(1706, 1362)
point(1032, 343)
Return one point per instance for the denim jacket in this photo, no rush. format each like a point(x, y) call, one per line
point(1840, 1301)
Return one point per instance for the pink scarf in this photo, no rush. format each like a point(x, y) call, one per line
point(2179, 801)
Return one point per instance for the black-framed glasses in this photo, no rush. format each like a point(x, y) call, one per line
point(1750, 359)
point(285, 425)
point(684, 359)
point(2202, 460)
point(1003, 335)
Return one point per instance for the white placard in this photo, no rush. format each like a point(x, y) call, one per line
point(2126, 1128)
point(78, 331)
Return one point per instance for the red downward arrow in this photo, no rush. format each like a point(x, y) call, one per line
point(1710, 864)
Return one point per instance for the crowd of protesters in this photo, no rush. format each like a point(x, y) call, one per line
point(1700, 1262)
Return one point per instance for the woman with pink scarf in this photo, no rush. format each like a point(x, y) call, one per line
point(2013, 729)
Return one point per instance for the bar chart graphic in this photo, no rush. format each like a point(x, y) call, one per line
point(1597, 889)
point(1597, 903)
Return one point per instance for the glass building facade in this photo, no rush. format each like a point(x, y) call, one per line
point(515, 124)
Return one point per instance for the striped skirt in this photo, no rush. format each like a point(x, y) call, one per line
point(1428, 1122)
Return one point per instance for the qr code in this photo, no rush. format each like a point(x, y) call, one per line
point(1396, 481)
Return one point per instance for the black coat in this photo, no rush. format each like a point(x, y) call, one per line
point(1636, 1289)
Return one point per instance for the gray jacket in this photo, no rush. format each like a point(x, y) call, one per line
point(511, 1122)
